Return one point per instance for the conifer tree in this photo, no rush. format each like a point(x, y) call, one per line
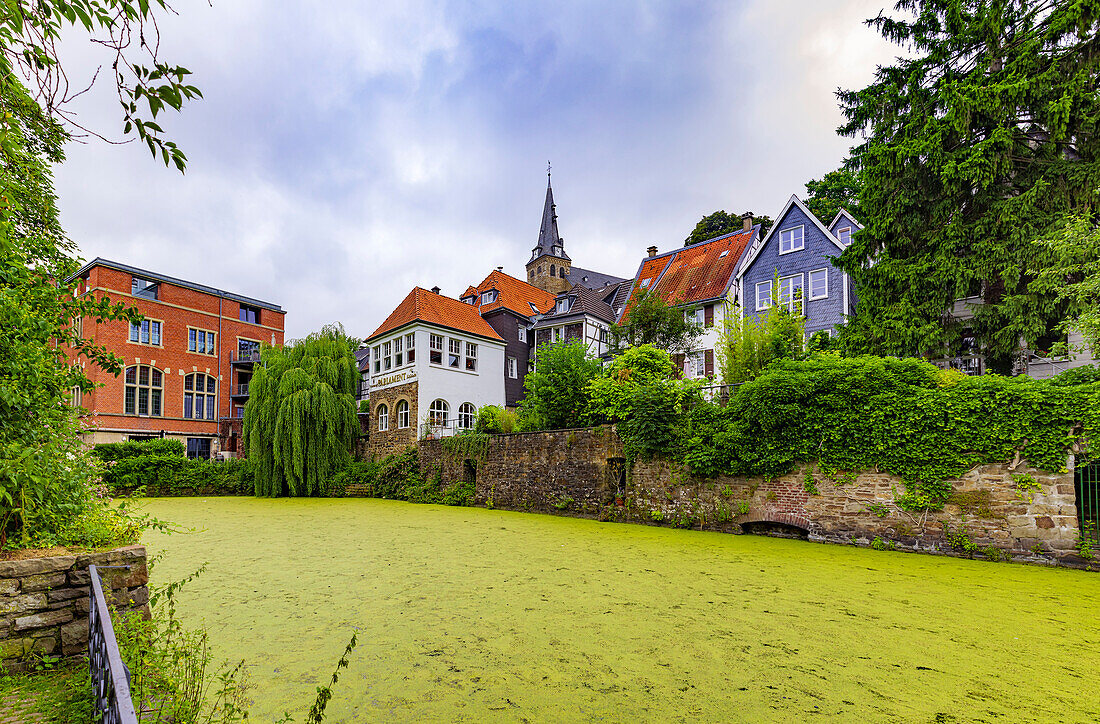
point(975, 144)
point(300, 421)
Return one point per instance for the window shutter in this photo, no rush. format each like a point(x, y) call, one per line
point(708, 315)
point(678, 360)
point(709, 359)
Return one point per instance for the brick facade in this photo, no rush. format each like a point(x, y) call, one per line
point(178, 308)
point(393, 439)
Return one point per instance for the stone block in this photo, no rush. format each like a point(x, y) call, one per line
point(67, 594)
point(81, 606)
point(136, 575)
point(44, 645)
point(15, 648)
point(139, 596)
point(41, 620)
point(79, 577)
point(35, 566)
point(74, 633)
point(9, 586)
point(42, 581)
point(23, 603)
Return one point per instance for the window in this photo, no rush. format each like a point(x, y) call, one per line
point(437, 412)
point(558, 333)
point(454, 352)
point(471, 357)
point(819, 284)
point(696, 365)
point(645, 283)
point(513, 368)
point(144, 389)
point(790, 291)
point(250, 314)
point(248, 349)
point(435, 349)
point(201, 341)
point(553, 271)
point(398, 352)
point(489, 297)
point(410, 347)
point(144, 288)
point(199, 401)
point(603, 335)
point(467, 415)
point(561, 272)
point(198, 448)
point(239, 411)
point(377, 358)
point(763, 295)
point(562, 305)
point(147, 331)
point(402, 414)
point(844, 235)
point(792, 240)
point(696, 316)
point(522, 333)
point(387, 360)
point(383, 413)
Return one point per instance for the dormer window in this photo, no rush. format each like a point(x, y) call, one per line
point(470, 300)
point(645, 283)
point(844, 235)
point(144, 288)
point(724, 253)
point(563, 305)
point(488, 297)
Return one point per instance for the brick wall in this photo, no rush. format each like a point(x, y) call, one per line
point(44, 601)
point(576, 472)
point(394, 439)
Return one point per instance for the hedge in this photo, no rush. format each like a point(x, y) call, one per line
point(164, 447)
point(169, 475)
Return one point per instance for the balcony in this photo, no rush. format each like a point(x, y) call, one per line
point(246, 357)
point(239, 390)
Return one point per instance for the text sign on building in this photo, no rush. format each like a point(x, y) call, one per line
point(394, 379)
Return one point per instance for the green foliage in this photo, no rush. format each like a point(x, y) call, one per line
point(300, 420)
point(899, 416)
point(169, 475)
point(1085, 375)
point(746, 345)
point(809, 484)
point(58, 694)
point(611, 394)
point(364, 407)
point(1026, 487)
point(359, 473)
point(720, 223)
point(1071, 272)
point(836, 190)
point(650, 320)
point(960, 540)
point(468, 445)
point(978, 141)
point(556, 392)
point(881, 545)
point(165, 447)
point(495, 420)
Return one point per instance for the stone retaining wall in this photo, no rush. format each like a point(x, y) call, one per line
point(44, 602)
point(996, 511)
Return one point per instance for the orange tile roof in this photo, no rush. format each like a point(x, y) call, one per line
point(425, 306)
point(514, 294)
point(695, 273)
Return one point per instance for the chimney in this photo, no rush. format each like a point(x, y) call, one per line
point(652, 251)
point(746, 220)
point(435, 290)
point(500, 268)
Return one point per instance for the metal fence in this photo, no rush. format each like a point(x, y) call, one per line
point(110, 677)
point(1086, 479)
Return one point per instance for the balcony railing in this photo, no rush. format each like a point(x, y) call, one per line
point(247, 356)
point(110, 677)
point(240, 390)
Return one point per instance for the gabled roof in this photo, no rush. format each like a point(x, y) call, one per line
point(590, 279)
point(754, 251)
point(362, 356)
point(696, 273)
point(846, 213)
point(513, 294)
point(422, 305)
point(585, 302)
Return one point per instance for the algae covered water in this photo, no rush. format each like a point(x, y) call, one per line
point(476, 615)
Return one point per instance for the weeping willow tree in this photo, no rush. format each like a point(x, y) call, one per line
point(300, 421)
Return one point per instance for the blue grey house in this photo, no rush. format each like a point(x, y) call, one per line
point(796, 255)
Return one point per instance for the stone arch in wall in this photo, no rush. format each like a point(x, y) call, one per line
point(779, 525)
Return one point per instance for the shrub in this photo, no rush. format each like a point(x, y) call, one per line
point(495, 420)
point(555, 393)
point(356, 473)
point(168, 476)
point(111, 451)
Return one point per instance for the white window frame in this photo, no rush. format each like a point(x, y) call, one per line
point(398, 351)
point(439, 412)
point(454, 349)
point(697, 361)
point(143, 332)
point(768, 303)
point(387, 358)
point(789, 244)
point(513, 368)
point(811, 295)
point(435, 344)
point(801, 285)
point(209, 341)
point(471, 357)
point(383, 414)
point(489, 297)
point(522, 333)
point(467, 416)
point(376, 357)
point(841, 231)
point(410, 347)
point(402, 409)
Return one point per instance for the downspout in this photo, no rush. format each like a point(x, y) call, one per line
point(220, 384)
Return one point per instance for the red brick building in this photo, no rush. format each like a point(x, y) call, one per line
point(187, 364)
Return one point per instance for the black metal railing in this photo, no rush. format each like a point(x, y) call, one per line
point(247, 356)
point(110, 677)
point(242, 389)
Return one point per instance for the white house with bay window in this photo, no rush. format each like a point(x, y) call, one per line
point(434, 363)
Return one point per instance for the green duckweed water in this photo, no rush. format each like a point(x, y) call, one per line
point(476, 615)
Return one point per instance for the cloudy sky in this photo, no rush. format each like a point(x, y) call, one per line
point(341, 158)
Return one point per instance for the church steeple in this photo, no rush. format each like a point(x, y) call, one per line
point(549, 264)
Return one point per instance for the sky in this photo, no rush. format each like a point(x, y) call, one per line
point(340, 158)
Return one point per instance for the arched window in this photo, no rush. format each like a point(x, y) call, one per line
point(383, 413)
point(467, 416)
point(561, 272)
point(199, 399)
point(552, 271)
point(438, 412)
point(402, 414)
point(144, 390)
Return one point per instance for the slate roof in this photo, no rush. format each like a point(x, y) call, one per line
point(513, 294)
point(422, 305)
point(586, 301)
point(693, 274)
point(362, 357)
point(548, 231)
point(590, 279)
